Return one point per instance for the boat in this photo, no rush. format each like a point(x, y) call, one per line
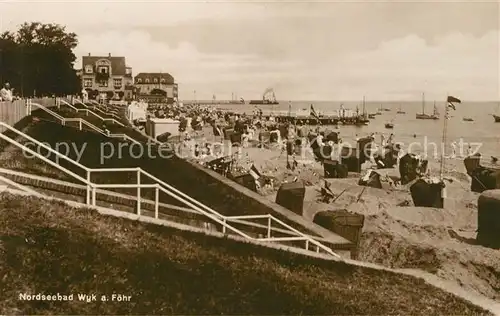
point(400, 111)
point(371, 116)
point(468, 119)
point(360, 123)
point(423, 115)
point(268, 97)
point(496, 116)
point(389, 125)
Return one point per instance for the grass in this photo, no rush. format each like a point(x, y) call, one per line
point(49, 247)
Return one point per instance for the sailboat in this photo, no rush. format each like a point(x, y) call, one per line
point(423, 116)
point(363, 119)
point(379, 111)
point(496, 116)
point(400, 111)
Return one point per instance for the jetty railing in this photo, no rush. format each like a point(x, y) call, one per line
point(161, 187)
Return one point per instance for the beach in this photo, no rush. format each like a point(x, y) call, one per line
point(439, 241)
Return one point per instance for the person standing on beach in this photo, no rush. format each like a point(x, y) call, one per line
point(453, 149)
point(382, 140)
point(390, 139)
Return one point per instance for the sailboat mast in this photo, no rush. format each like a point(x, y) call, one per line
point(364, 106)
point(443, 143)
point(423, 102)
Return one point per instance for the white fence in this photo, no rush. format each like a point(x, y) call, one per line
point(13, 112)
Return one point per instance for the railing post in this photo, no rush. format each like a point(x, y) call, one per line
point(157, 192)
point(138, 192)
point(88, 187)
point(80, 124)
point(307, 244)
point(269, 227)
point(224, 226)
point(93, 196)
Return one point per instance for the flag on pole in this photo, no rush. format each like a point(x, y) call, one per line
point(313, 113)
point(254, 172)
point(451, 100)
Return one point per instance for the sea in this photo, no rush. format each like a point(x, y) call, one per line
point(482, 134)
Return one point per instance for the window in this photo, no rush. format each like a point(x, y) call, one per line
point(117, 82)
point(139, 80)
point(87, 83)
point(103, 83)
point(155, 80)
point(103, 69)
point(147, 80)
point(88, 69)
point(162, 80)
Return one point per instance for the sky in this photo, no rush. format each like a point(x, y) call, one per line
point(304, 50)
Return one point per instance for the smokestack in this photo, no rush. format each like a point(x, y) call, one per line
point(89, 54)
point(109, 54)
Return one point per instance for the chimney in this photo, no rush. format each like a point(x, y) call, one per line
point(109, 54)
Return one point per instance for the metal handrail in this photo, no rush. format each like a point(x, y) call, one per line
point(95, 107)
point(82, 121)
point(19, 186)
point(90, 112)
point(114, 194)
point(54, 114)
point(303, 236)
point(34, 141)
point(34, 153)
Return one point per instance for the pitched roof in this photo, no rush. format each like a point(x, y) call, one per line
point(117, 63)
point(150, 75)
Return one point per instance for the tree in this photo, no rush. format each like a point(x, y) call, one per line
point(38, 59)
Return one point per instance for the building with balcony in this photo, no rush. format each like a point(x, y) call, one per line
point(156, 85)
point(107, 76)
